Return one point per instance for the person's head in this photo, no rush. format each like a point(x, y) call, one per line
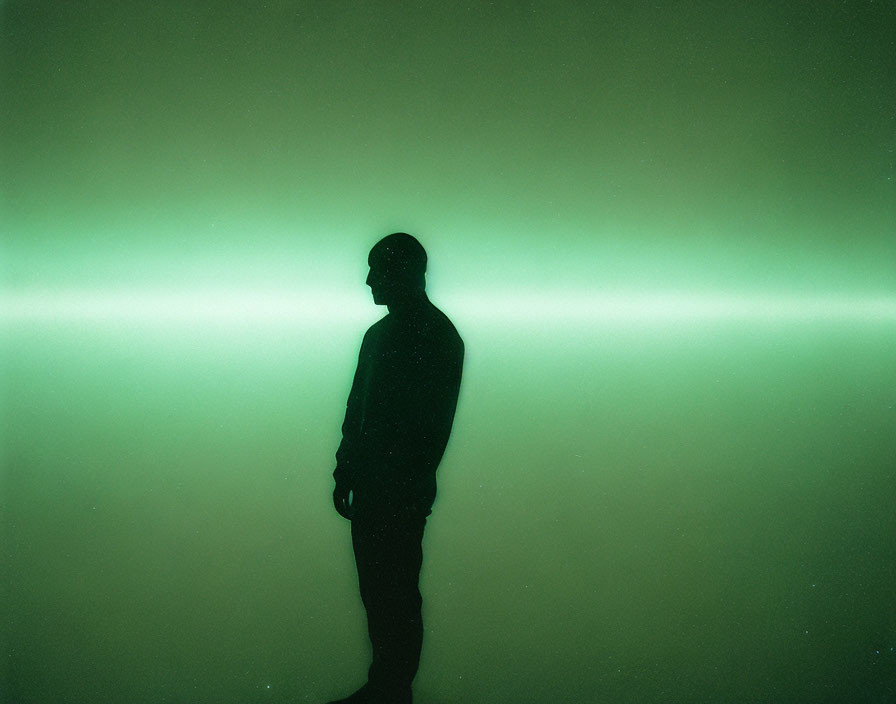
point(397, 269)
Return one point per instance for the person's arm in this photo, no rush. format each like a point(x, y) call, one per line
point(351, 432)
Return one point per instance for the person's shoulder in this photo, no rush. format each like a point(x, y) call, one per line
point(379, 325)
point(446, 327)
point(376, 330)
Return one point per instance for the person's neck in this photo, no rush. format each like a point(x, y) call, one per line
point(408, 303)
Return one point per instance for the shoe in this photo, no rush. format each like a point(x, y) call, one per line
point(391, 696)
point(367, 695)
point(362, 696)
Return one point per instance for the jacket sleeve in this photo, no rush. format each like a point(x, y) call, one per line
point(346, 455)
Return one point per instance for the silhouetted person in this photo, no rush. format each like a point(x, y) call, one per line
point(397, 422)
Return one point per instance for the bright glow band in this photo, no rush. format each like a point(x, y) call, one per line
point(323, 308)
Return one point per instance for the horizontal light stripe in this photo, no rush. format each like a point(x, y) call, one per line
point(320, 307)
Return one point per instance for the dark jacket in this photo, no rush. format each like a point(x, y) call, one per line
point(400, 411)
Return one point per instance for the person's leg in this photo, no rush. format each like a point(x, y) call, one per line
point(389, 557)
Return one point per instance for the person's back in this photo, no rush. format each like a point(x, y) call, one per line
point(410, 366)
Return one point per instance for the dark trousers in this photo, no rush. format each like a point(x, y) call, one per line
point(388, 554)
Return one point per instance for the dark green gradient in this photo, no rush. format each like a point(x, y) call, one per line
point(660, 508)
point(648, 519)
point(140, 124)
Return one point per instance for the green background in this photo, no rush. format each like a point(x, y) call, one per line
point(666, 234)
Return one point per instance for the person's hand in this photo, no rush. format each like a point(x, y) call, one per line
point(341, 501)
